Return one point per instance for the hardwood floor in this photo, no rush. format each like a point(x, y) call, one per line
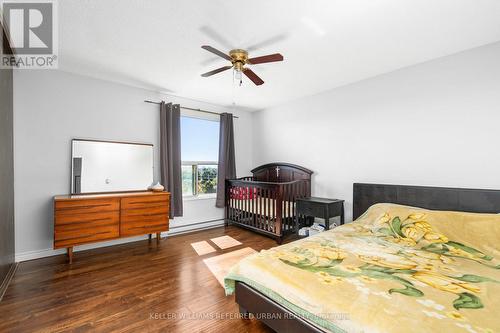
point(134, 287)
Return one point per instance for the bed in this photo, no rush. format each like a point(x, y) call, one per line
point(396, 268)
point(265, 202)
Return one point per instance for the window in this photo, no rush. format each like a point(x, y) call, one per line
point(199, 151)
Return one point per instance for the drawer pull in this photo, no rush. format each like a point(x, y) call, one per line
point(153, 214)
point(147, 226)
point(83, 207)
point(84, 236)
point(86, 221)
point(147, 202)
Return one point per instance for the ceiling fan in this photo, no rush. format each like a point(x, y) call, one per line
point(239, 58)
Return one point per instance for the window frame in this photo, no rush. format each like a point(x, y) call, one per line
point(195, 195)
point(194, 165)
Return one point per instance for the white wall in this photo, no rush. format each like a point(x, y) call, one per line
point(437, 123)
point(51, 108)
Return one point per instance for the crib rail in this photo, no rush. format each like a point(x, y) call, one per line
point(291, 192)
point(266, 207)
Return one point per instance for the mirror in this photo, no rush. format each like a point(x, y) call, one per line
point(107, 166)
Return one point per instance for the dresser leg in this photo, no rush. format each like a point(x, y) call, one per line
point(70, 254)
point(150, 236)
point(158, 237)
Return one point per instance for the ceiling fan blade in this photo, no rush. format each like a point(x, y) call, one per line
point(252, 76)
point(215, 71)
point(266, 58)
point(215, 51)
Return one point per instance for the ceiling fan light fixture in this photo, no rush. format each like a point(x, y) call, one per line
point(238, 68)
point(237, 74)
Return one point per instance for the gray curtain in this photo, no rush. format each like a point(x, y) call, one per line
point(170, 155)
point(227, 166)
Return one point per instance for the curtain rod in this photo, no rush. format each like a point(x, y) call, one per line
point(186, 108)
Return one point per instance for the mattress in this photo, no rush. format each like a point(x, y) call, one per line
point(395, 269)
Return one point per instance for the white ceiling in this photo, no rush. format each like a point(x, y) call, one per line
point(326, 44)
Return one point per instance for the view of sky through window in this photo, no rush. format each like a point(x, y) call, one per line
point(199, 139)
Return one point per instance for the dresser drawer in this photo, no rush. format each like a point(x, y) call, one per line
point(144, 215)
point(86, 220)
point(310, 209)
point(145, 201)
point(144, 212)
point(86, 206)
point(146, 225)
point(71, 237)
point(146, 219)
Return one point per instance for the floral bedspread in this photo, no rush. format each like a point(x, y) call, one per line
point(395, 269)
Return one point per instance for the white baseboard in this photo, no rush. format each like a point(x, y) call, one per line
point(195, 227)
point(37, 254)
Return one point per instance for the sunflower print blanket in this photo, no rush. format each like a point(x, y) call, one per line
point(395, 269)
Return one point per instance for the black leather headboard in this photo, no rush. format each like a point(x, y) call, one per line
point(437, 198)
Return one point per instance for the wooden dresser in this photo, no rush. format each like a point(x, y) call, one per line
point(82, 219)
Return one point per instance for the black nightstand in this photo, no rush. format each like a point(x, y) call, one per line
point(321, 208)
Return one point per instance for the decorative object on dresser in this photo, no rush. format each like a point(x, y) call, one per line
point(266, 201)
point(322, 208)
point(82, 219)
point(157, 187)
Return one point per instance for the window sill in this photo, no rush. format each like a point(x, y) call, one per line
point(199, 197)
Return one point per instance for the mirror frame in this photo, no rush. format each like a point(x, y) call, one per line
point(106, 141)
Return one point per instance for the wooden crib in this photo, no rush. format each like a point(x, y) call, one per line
point(265, 202)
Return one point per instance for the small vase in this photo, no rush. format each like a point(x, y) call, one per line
point(157, 187)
